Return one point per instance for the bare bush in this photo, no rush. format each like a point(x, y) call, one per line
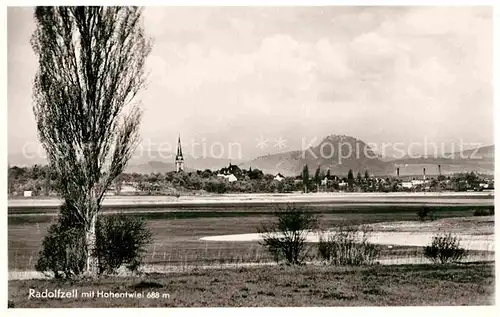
point(121, 240)
point(445, 249)
point(348, 246)
point(286, 237)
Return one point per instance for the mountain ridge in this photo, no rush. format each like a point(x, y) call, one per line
point(330, 153)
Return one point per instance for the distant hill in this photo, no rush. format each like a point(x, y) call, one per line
point(481, 160)
point(483, 153)
point(153, 167)
point(203, 163)
point(142, 161)
point(190, 165)
point(339, 153)
point(363, 158)
point(331, 153)
point(166, 164)
point(28, 159)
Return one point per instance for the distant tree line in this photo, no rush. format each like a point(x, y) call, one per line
point(42, 181)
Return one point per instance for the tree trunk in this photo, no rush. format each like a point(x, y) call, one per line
point(90, 245)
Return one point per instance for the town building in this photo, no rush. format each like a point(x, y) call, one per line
point(230, 177)
point(279, 177)
point(417, 182)
point(414, 183)
point(128, 189)
point(231, 169)
point(324, 181)
point(407, 184)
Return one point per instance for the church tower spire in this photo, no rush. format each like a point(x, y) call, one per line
point(179, 159)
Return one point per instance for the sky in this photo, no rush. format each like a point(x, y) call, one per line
point(275, 79)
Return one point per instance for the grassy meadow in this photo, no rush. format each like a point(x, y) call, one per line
point(400, 285)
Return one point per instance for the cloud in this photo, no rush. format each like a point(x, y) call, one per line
point(352, 70)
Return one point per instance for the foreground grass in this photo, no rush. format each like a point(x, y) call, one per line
point(403, 285)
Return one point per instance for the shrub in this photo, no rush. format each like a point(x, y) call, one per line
point(120, 240)
point(485, 212)
point(444, 249)
point(62, 251)
point(63, 247)
point(425, 214)
point(286, 237)
point(215, 186)
point(348, 246)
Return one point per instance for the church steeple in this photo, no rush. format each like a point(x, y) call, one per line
point(179, 159)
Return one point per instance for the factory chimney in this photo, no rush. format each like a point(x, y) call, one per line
point(397, 171)
point(424, 173)
point(439, 169)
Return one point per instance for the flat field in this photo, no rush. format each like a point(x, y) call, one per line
point(227, 202)
point(177, 232)
point(193, 273)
